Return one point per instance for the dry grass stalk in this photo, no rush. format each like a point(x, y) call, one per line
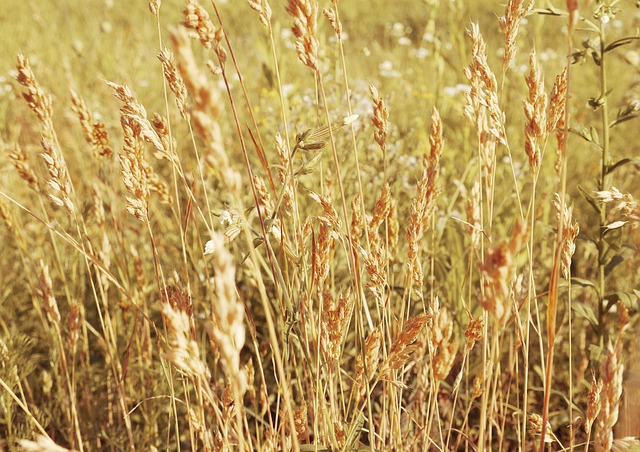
point(300, 420)
point(196, 18)
point(74, 323)
point(556, 115)
point(227, 329)
point(174, 79)
point(535, 113)
point(474, 332)
point(509, 25)
point(6, 215)
point(264, 197)
point(321, 252)
point(611, 373)
point(376, 259)
point(284, 159)
point(134, 176)
point(393, 230)
point(95, 132)
point(46, 292)
point(169, 143)
point(380, 119)
point(594, 403)
point(365, 369)
point(357, 221)
point(197, 423)
point(474, 221)
point(535, 428)
point(38, 101)
point(205, 110)
point(336, 316)
point(499, 270)
point(570, 230)
point(20, 161)
point(403, 345)
point(59, 182)
point(443, 348)
point(334, 20)
point(304, 13)
point(154, 7)
point(482, 106)
point(423, 206)
point(557, 100)
point(264, 9)
point(139, 178)
point(181, 350)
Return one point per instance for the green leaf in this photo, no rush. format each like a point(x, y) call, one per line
point(624, 253)
point(595, 353)
point(620, 42)
point(629, 299)
point(585, 312)
point(621, 119)
point(590, 199)
point(582, 282)
point(622, 162)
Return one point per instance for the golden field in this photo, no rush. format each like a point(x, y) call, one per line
point(337, 225)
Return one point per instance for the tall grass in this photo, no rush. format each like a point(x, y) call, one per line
point(321, 227)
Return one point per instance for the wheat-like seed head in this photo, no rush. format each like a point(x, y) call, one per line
point(197, 18)
point(535, 428)
point(154, 7)
point(380, 119)
point(570, 230)
point(304, 13)
point(372, 357)
point(499, 270)
point(611, 373)
point(402, 347)
point(46, 292)
point(424, 204)
point(39, 101)
point(474, 332)
point(227, 328)
point(181, 349)
point(95, 132)
point(334, 20)
point(594, 402)
point(509, 24)
point(264, 9)
point(443, 348)
point(335, 320)
point(174, 79)
point(20, 161)
point(59, 182)
point(535, 113)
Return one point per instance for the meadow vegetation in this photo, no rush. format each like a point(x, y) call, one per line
point(337, 225)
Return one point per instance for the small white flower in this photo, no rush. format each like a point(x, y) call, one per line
point(226, 218)
point(349, 119)
point(615, 225)
point(209, 247)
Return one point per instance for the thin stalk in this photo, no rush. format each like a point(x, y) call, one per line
point(604, 183)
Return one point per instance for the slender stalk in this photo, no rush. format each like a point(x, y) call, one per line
point(604, 183)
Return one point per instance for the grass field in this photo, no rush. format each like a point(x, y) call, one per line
point(338, 225)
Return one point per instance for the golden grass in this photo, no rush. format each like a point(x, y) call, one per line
point(237, 225)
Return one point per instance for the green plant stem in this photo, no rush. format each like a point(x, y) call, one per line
point(603, 184)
